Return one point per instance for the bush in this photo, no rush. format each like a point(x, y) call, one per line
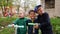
point(56, 25)
point(5, 21)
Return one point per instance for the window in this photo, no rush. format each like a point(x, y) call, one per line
point(49, 3)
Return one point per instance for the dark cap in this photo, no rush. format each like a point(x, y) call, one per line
point(36, 8)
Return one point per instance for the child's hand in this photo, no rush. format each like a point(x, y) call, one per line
point(36, 26)
point(12, 25)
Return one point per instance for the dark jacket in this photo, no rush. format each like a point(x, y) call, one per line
point(45, 25)
point(30, 27)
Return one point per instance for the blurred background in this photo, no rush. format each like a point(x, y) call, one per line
point(9, 10)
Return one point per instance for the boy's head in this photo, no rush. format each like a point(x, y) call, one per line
point(39, 9)
point(32, 14)
point(21, 13)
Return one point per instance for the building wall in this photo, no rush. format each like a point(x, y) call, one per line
point(51, 12)
point(57, 7)
point(54, 11)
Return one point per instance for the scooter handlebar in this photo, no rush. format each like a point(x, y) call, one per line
point(16, 26)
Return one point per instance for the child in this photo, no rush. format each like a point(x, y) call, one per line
point(31, 20)
point(21, 21)
point(44, 20)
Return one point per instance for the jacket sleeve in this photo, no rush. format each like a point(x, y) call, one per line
point(27, 22)
point(46, 21)
point(15, 22)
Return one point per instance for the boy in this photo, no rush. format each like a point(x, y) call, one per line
point(31, 20)
point(21, 21)
point(44, 20)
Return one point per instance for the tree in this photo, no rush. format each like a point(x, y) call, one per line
point(4, 4)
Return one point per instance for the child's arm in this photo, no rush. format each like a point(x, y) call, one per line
point(14, 22)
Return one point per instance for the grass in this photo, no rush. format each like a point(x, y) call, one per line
point(7, 31)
